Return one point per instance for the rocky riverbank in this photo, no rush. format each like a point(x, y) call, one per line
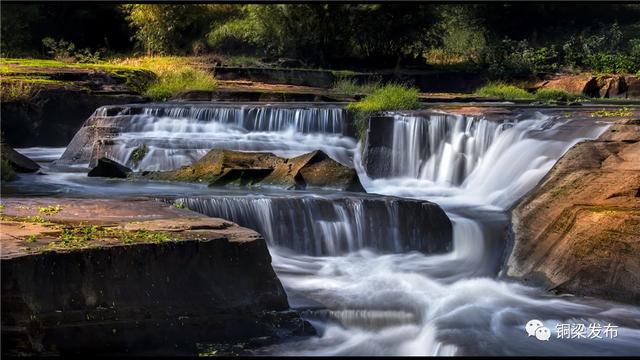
point(133, 276)
point(578, 232)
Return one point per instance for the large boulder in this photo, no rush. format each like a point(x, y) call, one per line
point(104, 276)
point(225, 167)
point(611, 86)
point(579, 230)
point(109, 168)
point(633, 86)
point(573, 84)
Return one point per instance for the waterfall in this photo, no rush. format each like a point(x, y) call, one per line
point(165, 137)
point(442, 148)
point(473, 160)
point(334, 225)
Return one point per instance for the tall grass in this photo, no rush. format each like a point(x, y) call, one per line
point(179, 80)
point(174, 75)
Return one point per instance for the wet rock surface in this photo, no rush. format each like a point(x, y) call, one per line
point(253, 169)
point(579, 230)
point(131, 276)
point(17, 161)
point(109, 168)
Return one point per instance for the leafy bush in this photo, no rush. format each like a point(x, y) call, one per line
point(65, 51)
point(386, 98)
point(503, 91)
point(612, 63)
point(178, 80)
point(236, 35)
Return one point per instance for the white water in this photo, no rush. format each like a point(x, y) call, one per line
point(416, 304)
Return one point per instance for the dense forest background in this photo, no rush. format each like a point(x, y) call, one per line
point(503, 39)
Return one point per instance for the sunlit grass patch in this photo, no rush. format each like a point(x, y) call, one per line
point(504, 91)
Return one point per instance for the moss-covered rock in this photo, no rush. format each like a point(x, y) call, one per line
point(224, 167)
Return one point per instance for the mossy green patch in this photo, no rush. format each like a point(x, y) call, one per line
point(138, 154)
point(621, 112)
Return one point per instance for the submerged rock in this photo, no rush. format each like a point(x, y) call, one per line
point(225, 167)
point(579, 230)
point(133, 276)
point(109, 168)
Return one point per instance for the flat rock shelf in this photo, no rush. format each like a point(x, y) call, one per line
point(144, 277)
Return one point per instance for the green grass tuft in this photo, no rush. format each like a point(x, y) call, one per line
point(180, 80)
point(504, 91)
point(386, 98)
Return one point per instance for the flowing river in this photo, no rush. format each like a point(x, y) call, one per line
point(349, 262)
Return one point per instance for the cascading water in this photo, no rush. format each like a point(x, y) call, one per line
point(415, 304)
point(443, 149)
point(346, 263)
point(173, 136)
point(334, 224)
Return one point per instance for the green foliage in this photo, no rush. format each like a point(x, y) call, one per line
point(179, 80)
point(621, 112)
point(503, 91)
point(65, 51)
point(19, 90)
point(50, 210)
point(8, 173)
point(236, 36)
point(386, 98)
point(552, 95)
point(172, 28)
point(81, 235)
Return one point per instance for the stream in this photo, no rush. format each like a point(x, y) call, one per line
point(348, 261)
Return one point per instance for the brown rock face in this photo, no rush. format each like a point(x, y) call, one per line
point(578, 84)
point(133, 276)
point(224, 167)
point(579, 231)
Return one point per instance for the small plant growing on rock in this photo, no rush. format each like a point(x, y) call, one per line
point(50, 210)
point(138, 154)
point(387, 98)
point(622, 112)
